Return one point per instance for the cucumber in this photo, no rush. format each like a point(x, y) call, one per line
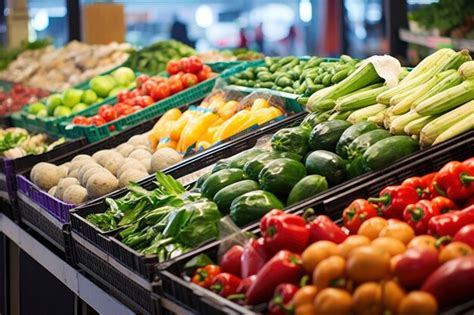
point(387, 151)
point(219, 180)
point(224, 197)
point(326, 135)
point(327, 164)
point(350, 134)
point(253, 167)
point(202, 179)
point(281, 175)
point(364, 141)
point(307, 187)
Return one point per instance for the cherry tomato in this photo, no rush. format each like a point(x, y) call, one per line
point(147, 101)
point(159, 80)
point(205, 73)
point(123, 95)
point(109, 114)
point(129, 101)
point(135, 93)
point(160, 92)
point(97, 120)
point(195, 64)
point(120, 108)
point(142, 78)
point(104, 108)
point(138, 101)
point(175, 85)
point(80, 120)
point(173, 67)
point(184, 64)
point(147, 87)
point(189, 79)
point(136, 108)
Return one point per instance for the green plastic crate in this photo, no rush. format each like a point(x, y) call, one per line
point(188, 96)
point(225, 65)
point(51, 125)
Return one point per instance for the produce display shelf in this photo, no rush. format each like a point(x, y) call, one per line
point(220, 66)
point(188, 96)
point(435, 42)
point(204, 301)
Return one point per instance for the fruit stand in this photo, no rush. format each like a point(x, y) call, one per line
point(172, 184)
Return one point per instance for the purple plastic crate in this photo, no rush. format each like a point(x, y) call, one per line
point(57, 208)
point(10, 180)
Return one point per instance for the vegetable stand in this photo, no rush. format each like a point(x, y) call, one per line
point(130, 216)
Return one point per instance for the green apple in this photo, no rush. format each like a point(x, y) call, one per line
point(102, 85)
point(71, 97)
point(123, 75)
point(116, 90)
point(53, 101)
point(131, 85)
point(62, 111)
point(79, 107)
point(42, 113)
point(35, 108)
point(89, 97)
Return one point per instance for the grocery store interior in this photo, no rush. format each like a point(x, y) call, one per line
point(214, 157)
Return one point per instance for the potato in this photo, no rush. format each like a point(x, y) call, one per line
point(113, 164)
point(63, 171)
point(74, 173)
point(52, 191)
point(91, 171)
point(131, 165)
point(125, 149)
point(110, 156)
point(99, 154)
point(45, 175)
point(143, 147)
point(101, 184)
point(63, 184)
point(147, 164)
point(81, 157)
point(83, 169)
point(131, 175)
point(77, 164)
point(163, 158)
point(75, 194)
point(140, 154)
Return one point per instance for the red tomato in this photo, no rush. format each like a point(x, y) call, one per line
point(112, 128)
point(147, 101)
point(195, 64)
point(120, 108)
point(136, 108)
point(147, 87)
point(176, 76)
point(204, 74)
point(128, 111)
point(109, 114)
point(173, 67)
point(123, 95)
point(104, 108)
point(189, 79)
point(80, 120)
point(97, 120)
point(175, 85)
point(185, 65)
point(129, 101)
point(142, 78)
point(159, 80)
point(138, 100)
point(135, 93)
point(161, 91)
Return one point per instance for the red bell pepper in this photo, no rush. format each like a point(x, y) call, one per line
point(231, 261)
point(203, 276)
point(419, 214)
point(443, 204)
point(415, 265)
point(286, 231)
point(393, 200)
point(266, 217)
point(225, 284)
point(284, 267)
point(450, 223)
point(323, 228)
point(455, 180)
point(453, 282)
point(356, 213)
point(469, 202)
point(428, 178)
point(420, 184)
point(280, 302)
point(254, 257)
point(465, 235)
point(239, 296)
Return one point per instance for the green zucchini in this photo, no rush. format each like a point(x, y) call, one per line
point(253, 167)
point(219, 180)
point(364, 141)
point(387, 151)
point(224, 197)
point(307, 187)
point(293, 140)
point(252, 206)
point(239, 160)
point(350, 134)
point(326, 135)
point(327, 164)
point(202, 179)
point(280, 175)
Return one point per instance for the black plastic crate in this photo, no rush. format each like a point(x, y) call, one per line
point(139, 263)
point(117, 279)
point(174, 286)
point(46, 225)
